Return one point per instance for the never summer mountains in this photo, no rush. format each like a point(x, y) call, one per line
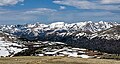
point(101, 36)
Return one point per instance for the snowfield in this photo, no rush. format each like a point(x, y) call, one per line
point(7, 49)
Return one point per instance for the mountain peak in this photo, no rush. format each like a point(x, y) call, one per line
point(39, 29)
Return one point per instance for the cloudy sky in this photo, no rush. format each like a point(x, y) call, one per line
point(47, 11)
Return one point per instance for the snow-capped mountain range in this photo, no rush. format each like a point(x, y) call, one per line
point(41, 30)
point(83, 26)
point(102, 36)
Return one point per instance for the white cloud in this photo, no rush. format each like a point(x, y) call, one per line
point(23, 16)
point(85, 4)
point(9, 2)
point(22, 4)
point(110, 1)
point(39, 11)
point(46, 15)
point(62, 7)
point(75, 16)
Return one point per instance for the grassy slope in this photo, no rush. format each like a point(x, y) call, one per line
point(54, 60)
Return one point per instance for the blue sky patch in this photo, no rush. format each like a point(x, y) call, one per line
point(47, 11)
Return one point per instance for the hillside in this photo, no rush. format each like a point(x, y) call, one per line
point(101, 36)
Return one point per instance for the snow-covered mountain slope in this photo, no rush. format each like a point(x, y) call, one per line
point(7, 49)
point(111, 33)
point(84, 26)
point(38, 30)
point(103, 36)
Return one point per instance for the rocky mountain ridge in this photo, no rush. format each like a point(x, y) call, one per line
point(102, 36)
point(37, 30)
